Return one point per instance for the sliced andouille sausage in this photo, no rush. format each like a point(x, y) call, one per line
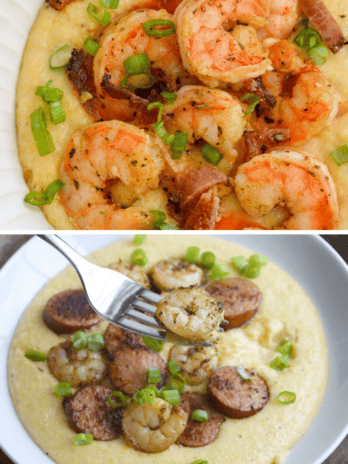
point(129, 369)
point(240, 297)
point(115, 338)
point(88, 411)
point(199, 433)
point(69, 311)
point(235, 397)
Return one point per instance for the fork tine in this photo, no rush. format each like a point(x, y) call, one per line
point(142, 318)
point(150, 296)
point(144, 307)
point(134, 326)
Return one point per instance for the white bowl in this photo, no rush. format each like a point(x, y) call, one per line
point(309, 259)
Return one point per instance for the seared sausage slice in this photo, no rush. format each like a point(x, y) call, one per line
point(240, 297)
point(235, 397)
point(199, 433)
point(69, 311)
point(128, 371)
point(88, 411)
point(115, 338)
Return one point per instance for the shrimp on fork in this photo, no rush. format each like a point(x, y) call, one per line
point(292, 179)
point(106, 168)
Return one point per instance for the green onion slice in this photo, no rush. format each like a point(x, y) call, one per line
point(243, 373)
point(91, 46)
point(218, 272)
point(251, 271)
point(139, 257)
point(169, 97)
point(62, 389)
point(192, 255)
point(290, 397)
point(159, 221)
point(153, 375)
point(279, 363)
point(120, 395)
point(137, 64)
point(60, 58)
point(162, 133)
point(79, 340)
point(317, 54)
point(39, 90)
point(340, 156)
point(138, 397)
point(173, 367)
point(258, 259)
point(171, 396)
point(149, 395)
point(238, 262)
point(253, 100)
point(139, 239)
point(176, 382)
point(49, 94)
point(46, 197)
point(110, 3)
point(200, 415)
point(42, 137)
point(151, 31)
point(57, 112)
point(307, 38)
point(200, 461)
point(152, 343)
point(158, 105)
point(125, 84)
point(102, 16)
point(286, 348)
point(83, 439)
point(179, 144)
point(37, 356)
point(96, 342)
point(211, 154)
point(208, 259)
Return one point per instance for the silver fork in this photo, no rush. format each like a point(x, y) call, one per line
point(114, 296)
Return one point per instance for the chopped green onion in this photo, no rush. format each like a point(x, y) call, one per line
point(120, 395)
point(126, 84)
point(91, 46)
point(279, 363)
point(307, 38)
point(158, 105)
point(258, 259)
point(137, 64)
point(238, 262)
point(200, 415)
point(139, 239)
point(162, 133)
point(149, 395)
point(139, 257)
point(249, 268)
point(286, 348)
point(60, 58)
point(211, 154)
point(340, 156)
point(218, 272)
point(46, 197)
point(200, 461)
point(110, 3)
point(62, 389)
point(173, 367)
point(138, 397)
point(40, 88)
point(79, 340)
point(208, 259)
point(171, 396)
point(37, 356)
point(192, 255)
point(96, 342)
point(169, 97)
point(317, 54)
point(49, 94)
point(57, 112)
point(93, 10)
point(251, 271)
point(149, 28)
point(42, 137)
point(159, 221)
point(243, 373)
point(179, 144)
point(290, 397)
point(152, 343)
point(253, 100)
point(83, 439)
point(176, 382)
point(153, 375)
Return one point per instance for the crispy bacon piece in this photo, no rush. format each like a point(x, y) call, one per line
point(59, 4)
point(194, 182)
point(257, 143)
point(204, 214)
point(255, 86)
point(324, 23)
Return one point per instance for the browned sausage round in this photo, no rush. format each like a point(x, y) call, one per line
point(240, 297)
point(89, 412)
point(235, 397)
point(69, 311)
point(128, 371)
point(199, 433)
point(115, 338)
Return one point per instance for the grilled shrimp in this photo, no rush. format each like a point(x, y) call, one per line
point(209, 114)
point(196, 363)
point(153, 427)
point(175, 273)
point(218, 42)
point(282, 19)
point(131, 270)
point(108, 161)
point(77, 367)
point(190, 313)
point(295, 180)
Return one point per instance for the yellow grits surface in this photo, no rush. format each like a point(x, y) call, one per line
point(286, 312)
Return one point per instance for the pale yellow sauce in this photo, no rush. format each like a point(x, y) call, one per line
point(286, 312)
